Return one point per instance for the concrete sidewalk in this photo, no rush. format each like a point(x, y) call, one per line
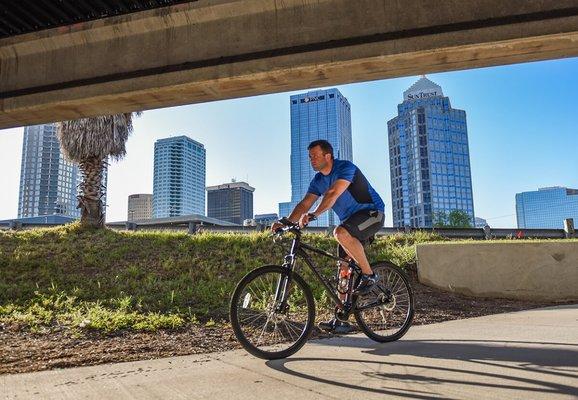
point(523, 355)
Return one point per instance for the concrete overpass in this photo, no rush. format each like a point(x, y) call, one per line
point(207, 50)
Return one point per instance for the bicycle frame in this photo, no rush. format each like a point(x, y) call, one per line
point(298, 250)
point(345, 307)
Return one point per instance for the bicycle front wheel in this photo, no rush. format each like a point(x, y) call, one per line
point(386, 313)
point(263, 325)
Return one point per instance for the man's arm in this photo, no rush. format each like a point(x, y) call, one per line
point(331, 195)
point(303, 206)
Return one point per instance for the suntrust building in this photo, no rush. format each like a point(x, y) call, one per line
point(429, 157)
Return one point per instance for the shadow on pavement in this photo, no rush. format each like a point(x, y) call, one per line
point(468, 350)
point(544, 363)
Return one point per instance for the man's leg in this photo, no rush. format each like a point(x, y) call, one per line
point(360, 226)
point(354, 248)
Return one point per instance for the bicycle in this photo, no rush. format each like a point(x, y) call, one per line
point(272, 309)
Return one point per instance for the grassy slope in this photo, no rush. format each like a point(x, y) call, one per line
point(141, 280)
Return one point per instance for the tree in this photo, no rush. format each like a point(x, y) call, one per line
point(455, 219)
point(440, 219)
point(90, 142)
point(459, 219)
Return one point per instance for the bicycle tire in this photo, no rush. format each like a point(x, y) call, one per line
point(238, 328)
point(386, 270)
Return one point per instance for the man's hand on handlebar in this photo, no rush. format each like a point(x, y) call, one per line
point(284, 223)
point(305, 219)
point(276, 225)
point(279, 226)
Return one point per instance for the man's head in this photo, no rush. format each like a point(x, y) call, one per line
point(320, 154)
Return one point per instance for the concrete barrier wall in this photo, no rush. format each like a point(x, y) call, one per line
point(524, 270)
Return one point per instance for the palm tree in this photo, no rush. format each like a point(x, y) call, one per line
point(90, 142)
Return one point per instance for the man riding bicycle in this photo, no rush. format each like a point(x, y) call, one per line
point(360, 209)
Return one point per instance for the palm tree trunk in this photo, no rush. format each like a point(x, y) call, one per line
point(91, 192)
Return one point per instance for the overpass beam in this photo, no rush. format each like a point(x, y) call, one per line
point(210, 50)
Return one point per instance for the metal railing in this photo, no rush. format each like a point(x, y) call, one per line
point(451, 233)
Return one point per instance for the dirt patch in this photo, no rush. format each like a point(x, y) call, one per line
point(25, 351)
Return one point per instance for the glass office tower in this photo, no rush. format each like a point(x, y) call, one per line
point(429, 158)
point(319, 114)
point(179, 177)
point(48, 182)
point(546, 208)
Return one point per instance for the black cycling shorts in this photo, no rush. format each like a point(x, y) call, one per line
point(363, 225)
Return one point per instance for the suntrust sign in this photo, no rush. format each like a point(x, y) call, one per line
point(421, 95)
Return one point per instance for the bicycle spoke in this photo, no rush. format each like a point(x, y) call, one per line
point(289, 331)
point(253, 317)
point(263, 331)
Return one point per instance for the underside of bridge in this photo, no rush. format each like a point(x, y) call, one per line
point(69, 59)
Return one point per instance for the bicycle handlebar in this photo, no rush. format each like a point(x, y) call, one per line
point(291, 226)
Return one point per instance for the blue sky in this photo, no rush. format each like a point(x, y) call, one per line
point(522, 126)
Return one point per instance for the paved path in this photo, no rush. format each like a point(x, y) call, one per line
point(523, 355)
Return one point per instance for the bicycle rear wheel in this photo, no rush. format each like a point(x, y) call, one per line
point(262, 326)
point(386, 313)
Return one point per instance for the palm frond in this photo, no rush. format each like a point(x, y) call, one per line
point(98, 137)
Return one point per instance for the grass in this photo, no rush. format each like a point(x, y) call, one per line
point(66, 310)
point(110, 281)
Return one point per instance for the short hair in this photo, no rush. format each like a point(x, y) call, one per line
point(324, 144)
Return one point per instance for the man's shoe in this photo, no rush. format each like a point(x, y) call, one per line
point(336, 326)
point(365, 284)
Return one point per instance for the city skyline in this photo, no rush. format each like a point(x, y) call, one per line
point(522, 136)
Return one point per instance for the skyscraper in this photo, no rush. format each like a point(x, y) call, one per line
point(48, 182)
point(232, 202)
point(429, 157)
point(546, 207)
point(140, 207)
point(319, 114)
point(179, 177)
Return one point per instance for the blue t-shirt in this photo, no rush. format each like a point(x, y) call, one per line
point(358, 196)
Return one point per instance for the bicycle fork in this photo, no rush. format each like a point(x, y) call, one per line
point(284, 282)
